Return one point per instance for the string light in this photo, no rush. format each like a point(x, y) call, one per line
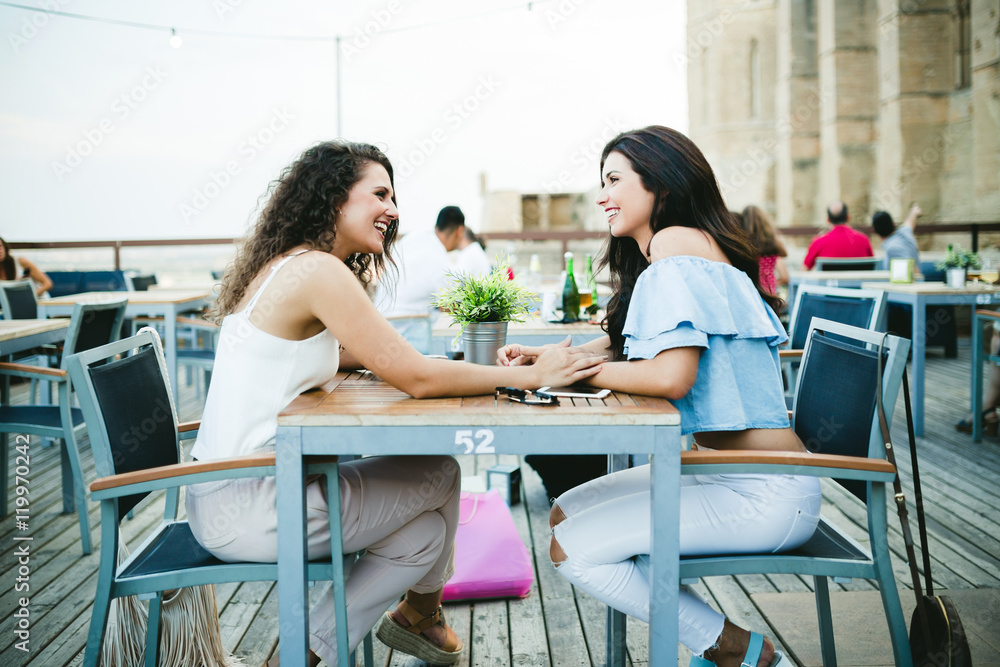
point(176, 41)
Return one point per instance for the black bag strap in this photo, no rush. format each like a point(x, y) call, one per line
point(918, 498)
point(899, 496)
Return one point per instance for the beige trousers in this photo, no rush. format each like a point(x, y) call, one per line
point(402, 509)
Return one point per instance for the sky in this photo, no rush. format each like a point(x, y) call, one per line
point(109, 132)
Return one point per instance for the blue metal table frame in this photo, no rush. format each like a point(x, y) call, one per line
point(323, 423)
point(919, 296)
point(20, 335)
point(167, 304)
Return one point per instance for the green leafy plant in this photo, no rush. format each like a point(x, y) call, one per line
point(490, 298)
point(959, 258)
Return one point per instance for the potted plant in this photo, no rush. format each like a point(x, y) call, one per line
point(956, 264)
point(482, 306)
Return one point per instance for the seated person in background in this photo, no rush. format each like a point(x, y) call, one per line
point(840, 240)
point(991, 395)
point(472, 258)
point(773, 271)
point(688, 321)
point(898, 242)
point(9, 270)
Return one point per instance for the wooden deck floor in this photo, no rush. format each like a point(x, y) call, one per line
point(554, 625)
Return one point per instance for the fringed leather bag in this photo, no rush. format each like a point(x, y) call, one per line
point(937, 638)
point(189, 629)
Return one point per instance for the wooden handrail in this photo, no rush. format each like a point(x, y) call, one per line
point(974, 228)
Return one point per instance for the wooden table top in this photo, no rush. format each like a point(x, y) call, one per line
point(934, 288)
point(362, 399)
point(12, 329)
point(531, 327)
point(839, 275)
point(147, 297)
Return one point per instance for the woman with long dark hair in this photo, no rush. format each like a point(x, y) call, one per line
point(294, 310)
point(9, 270)
point(688, 321)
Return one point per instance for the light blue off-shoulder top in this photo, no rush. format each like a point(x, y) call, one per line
point(686, 301)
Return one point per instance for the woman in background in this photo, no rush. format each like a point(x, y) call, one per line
point(773, 271)
point(15, 269)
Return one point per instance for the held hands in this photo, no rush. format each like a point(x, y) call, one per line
point(525, 355)
point(557, 365)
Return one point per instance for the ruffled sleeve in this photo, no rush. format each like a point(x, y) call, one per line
point(681, 301)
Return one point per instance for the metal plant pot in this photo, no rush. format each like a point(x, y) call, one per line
point(482, 340)
point(955, 277)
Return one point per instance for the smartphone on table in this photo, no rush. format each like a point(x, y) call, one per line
point(577, 391)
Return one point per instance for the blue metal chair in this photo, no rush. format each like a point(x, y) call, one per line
point(91, 325)
point(835, 417)
point(857, 307)
point(118, 395)
point(981, 319)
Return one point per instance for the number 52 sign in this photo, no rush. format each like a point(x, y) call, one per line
point(481, 442)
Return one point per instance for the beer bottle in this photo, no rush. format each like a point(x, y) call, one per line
point(570, 293)
point(591, 285)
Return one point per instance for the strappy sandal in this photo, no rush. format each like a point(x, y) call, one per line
point(990, 426)
point(409, 640)
point(750, 658)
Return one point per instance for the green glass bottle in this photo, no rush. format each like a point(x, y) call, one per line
point(570, 293)
point(591, 285)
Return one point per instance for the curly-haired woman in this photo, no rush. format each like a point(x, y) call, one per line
point(294, 310)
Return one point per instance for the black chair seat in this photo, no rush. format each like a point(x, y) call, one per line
point(175, 550)
point(827, 543)
point(38, 415)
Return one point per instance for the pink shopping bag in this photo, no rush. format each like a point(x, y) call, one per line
point(491, 561)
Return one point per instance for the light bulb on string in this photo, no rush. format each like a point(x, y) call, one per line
point(175, 39)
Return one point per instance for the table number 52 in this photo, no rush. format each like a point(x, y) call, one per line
point(485, 445)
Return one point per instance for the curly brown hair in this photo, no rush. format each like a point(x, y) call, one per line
point(302, 210)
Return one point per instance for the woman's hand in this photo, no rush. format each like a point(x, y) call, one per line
point(525, 355)
point(559, 366)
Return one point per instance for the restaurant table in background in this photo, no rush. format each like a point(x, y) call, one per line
point(363, 415)
point(531, 332)
point(919, 296)
point(831, 279)
point(167, 304)
point(20, 335)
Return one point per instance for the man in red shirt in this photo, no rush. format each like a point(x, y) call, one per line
point(841, 240)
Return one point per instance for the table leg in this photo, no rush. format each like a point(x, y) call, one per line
point(976, 392)
point(293, 614)
point(665, 497)
point(615, 632)
point(170, 349)
point(919, 353)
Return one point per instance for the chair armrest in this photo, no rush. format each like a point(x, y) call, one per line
point(789, 354)
point(990, 314)
point(791, 413)
point(188, 430)
point(197, 323)
point(29, 371)
point(790, 463)
point(180, 474)
point(192, 472)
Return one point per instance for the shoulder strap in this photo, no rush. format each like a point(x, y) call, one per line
point(267, 281)
point(898, 495)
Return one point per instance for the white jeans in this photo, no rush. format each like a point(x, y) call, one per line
point(402, 509)
point(607, 526)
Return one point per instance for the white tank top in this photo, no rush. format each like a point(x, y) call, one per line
point(255, 376)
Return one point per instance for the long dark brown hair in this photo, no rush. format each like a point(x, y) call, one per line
point(687, 195)
point(7, 266)
point(761, 232)
point(302, 210)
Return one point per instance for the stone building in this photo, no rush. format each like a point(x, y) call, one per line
point(880, 103)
